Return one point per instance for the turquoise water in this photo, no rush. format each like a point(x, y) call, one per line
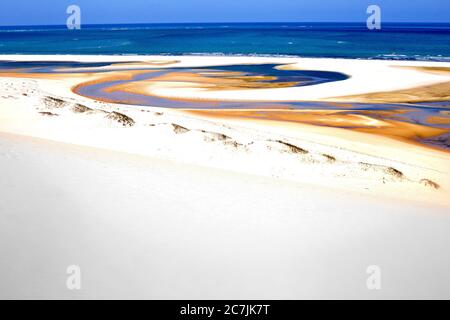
point(345, 40)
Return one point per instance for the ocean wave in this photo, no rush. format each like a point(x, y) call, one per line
point(395, 56)
point(438, 58)
point(30, 30)
point(222, 54)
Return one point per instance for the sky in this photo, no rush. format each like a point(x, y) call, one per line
point(48, 12)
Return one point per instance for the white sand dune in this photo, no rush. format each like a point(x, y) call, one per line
point(145, 228)
point(160, 203)
point(333, 157)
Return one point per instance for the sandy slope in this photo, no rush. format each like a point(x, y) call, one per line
point(145, 228)
point(298, 211)
point(303, 153)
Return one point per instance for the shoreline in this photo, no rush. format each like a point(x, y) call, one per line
point(237, 55)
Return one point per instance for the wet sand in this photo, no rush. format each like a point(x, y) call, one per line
point(397, 121)
point(370, 122)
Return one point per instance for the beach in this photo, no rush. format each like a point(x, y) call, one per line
point(290, 185)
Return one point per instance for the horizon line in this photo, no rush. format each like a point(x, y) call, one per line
point(222, 22)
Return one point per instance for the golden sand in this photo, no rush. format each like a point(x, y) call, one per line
point(438, 120)
point(206, 81)
point(380, 122)
point(51, 76)
point(336, 118)
point(385, 123)
point(430, 93)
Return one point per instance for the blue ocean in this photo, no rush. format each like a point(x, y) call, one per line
point(337, 40)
